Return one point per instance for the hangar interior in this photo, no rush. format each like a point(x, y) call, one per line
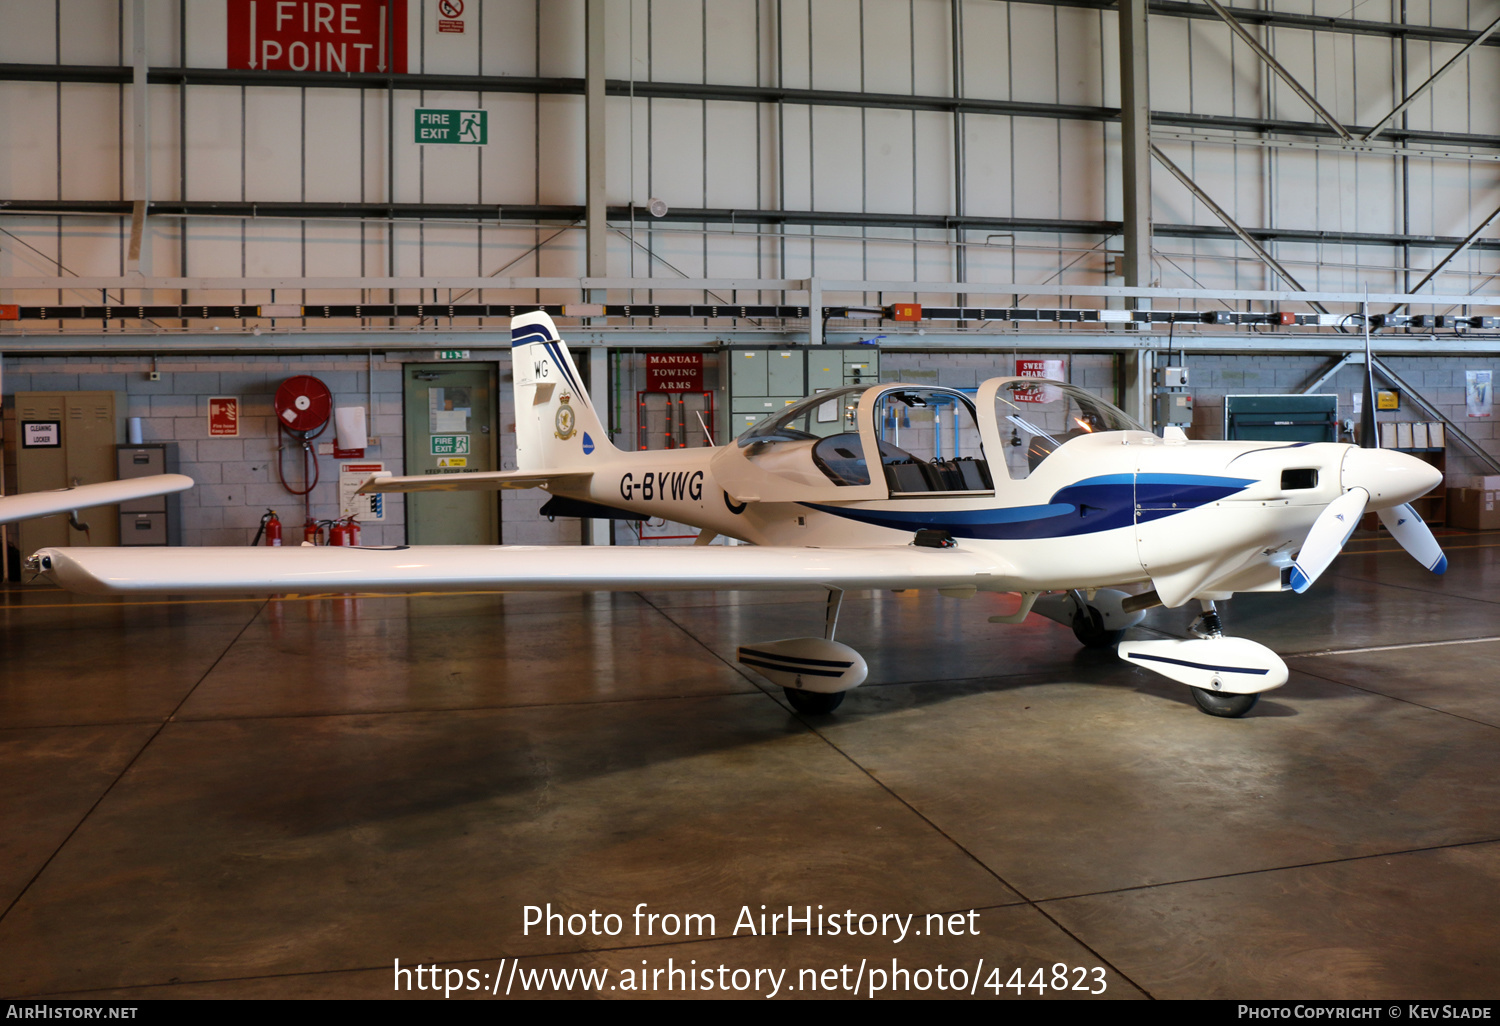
point(1172, 205)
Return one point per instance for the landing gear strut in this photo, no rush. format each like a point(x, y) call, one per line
point(1218, 703)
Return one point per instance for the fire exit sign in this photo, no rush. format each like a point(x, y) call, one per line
point(458, 127)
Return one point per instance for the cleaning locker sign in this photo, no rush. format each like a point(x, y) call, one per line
point(315, 35)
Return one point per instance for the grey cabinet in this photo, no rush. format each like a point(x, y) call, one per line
point(154, 520)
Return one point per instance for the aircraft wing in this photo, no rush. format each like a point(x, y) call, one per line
point(106, 493)
point(486, 481)
point(331, 568)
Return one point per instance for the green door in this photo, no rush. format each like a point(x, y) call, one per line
point(451, 428)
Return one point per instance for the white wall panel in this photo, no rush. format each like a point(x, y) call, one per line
point(509, 35)
point(793, 63)
point(835, 41)
point(90, 120)
point(408, 154)
point(509, 171)
point(215, 250)
point(162, 34)
point(28, 126)
point(1081, 171)
point(931, 44)
point(730, 154)
point(932, 146)
point(676, 51)
point(1211, 80)
point(92, 246)
point(1034, 72)
point(376, 183)
point(207, 35)
point(732, 42)
point(1037, 195)
point(331, 138)
point(272, 248)
point(987, 46)
point(213, 155)
point(1484, 85)
point(887, 47)
point(988, 159)
point(838, 165)
point(450, 249)
point(90, 31)
point(166, 130)
point(30, 35)
point(677, 152)
point(1079, 71)
point(796, 160)
point(273, 148)
point(731, 159)
point(888, 160)
point(560, 32)
point(560, 149)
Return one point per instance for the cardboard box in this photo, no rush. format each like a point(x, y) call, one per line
point(1476, 509)
point(1486, 484)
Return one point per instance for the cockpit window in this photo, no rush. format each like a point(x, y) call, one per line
point(929, 442)
point(1038, 417)
point(817, 416)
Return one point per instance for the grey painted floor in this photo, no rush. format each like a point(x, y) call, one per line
point(253, 798)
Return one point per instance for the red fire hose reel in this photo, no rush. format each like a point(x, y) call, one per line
point(303, 407)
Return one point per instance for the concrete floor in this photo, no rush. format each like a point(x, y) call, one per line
point(257, 799)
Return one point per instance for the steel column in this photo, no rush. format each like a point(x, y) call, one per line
point(596, 218)
point(138, 260)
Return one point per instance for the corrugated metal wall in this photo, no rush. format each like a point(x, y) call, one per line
point(71, 141)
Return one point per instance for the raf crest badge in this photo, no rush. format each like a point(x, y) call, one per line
point(565, 423)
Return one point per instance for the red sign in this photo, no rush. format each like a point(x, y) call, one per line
point(224, 416)
point(1052, 370)
point(317, 35)
point(449, 11)
point(674, 372)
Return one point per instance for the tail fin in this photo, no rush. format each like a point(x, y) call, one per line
point(556, 425)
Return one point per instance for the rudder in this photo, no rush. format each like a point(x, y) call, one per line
point(556, 424)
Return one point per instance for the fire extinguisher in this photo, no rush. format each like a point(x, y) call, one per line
point(344, 532)
point(270, 529)
point(312, 532)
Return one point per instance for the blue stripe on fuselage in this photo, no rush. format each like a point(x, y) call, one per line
point(1088, 507)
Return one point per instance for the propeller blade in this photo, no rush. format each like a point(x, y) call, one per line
point(1327, 537)
point(1415, 537)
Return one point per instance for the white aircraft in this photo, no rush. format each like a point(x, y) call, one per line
point(30, 505)
point(1029, 486)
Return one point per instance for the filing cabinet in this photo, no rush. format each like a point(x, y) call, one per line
point(154, 520)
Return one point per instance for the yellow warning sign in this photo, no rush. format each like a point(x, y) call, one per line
point(454, 461)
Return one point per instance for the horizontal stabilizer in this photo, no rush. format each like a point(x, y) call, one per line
point(487, 481)
point(337, 568)
point(1236, 666)
point(105, 493)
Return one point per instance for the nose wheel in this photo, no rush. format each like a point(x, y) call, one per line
point(814, 703)
point(1217, 703)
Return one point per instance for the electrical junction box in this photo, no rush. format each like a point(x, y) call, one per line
point(1172, 377)
point(1173, 408)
